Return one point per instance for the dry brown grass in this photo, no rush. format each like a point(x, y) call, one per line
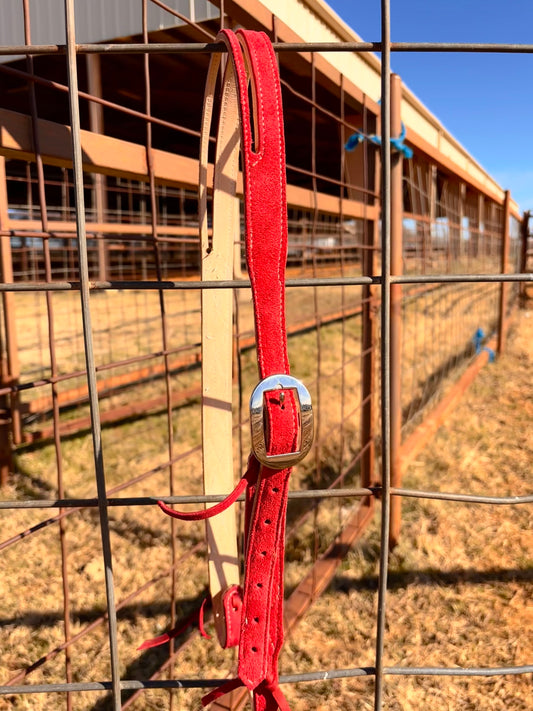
point(460, 578)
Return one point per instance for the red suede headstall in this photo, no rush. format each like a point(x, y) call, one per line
point(281, 415)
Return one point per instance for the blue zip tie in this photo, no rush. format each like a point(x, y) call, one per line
point(477, 340)
point(358, 137)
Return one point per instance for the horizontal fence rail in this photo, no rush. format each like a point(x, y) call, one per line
point(210, 47)
point(314, 494)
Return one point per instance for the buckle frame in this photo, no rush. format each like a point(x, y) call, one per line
point(257, 421)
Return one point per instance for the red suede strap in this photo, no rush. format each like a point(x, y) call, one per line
point(266, 698)
point(263, 158)
point(196, 616)
point(266, 249)
point(249, 477)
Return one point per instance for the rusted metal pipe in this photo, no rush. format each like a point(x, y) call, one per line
point(396, 309)
point(370, 302)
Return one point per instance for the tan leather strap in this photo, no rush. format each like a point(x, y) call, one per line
point(217, 346)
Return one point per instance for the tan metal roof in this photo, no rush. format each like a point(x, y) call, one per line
point(96, 20)
point(315, 21)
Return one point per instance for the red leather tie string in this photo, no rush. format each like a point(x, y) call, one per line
point(280, 410)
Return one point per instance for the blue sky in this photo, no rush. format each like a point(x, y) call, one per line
point(486, 100)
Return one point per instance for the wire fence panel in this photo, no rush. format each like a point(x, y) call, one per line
point(403, 276)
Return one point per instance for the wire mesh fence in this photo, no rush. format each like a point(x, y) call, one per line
point(101, 394)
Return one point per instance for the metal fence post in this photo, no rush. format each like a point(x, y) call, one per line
point(368, 342)
point(9, 366)
point(96, 430)
point(504, 286)
point(396, 308)
point(368, 359)
point(524, 244)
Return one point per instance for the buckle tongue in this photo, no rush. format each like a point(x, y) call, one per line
point(257, 421)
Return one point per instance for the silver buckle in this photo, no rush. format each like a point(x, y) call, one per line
point(257, 421)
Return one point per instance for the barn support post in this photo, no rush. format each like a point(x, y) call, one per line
point(453, 209)
point(461, 247)
point(9, 362)
point(477, 238)
point(96, 124)
point(504, 286)
point(396, 309)
point(431, 213)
